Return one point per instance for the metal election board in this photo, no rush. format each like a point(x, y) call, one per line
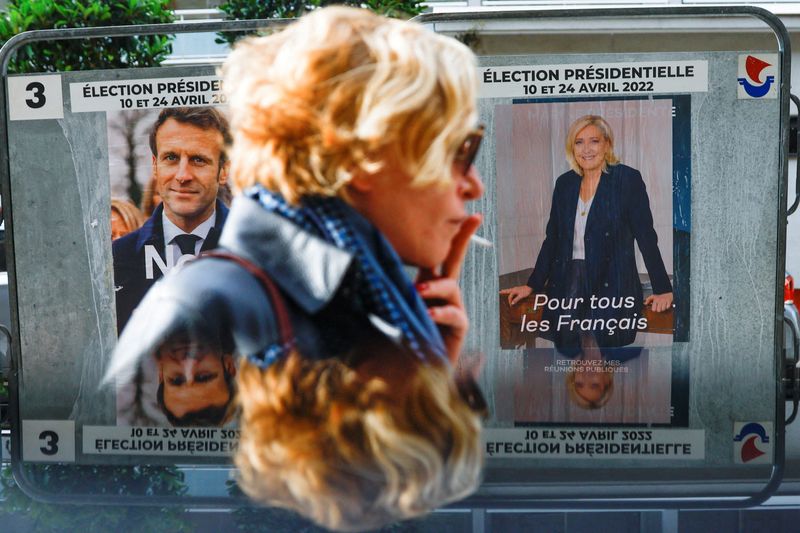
point(679, 404)
point(686, 403)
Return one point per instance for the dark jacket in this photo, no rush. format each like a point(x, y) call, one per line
point(620, 214)
point(220, 300)
point(131, 281)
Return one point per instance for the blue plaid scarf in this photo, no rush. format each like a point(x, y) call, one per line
point(379, 281)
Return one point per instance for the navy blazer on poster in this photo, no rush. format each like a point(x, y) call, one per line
point(620, 214)
point(130, 279)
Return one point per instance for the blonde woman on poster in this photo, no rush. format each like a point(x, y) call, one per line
point(585, 279)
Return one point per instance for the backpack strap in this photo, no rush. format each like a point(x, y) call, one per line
point(271, 290)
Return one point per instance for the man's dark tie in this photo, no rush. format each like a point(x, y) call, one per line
point(186, 243)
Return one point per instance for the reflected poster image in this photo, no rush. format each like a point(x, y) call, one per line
point(593, 230)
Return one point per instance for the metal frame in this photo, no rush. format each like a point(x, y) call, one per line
point(644, 502)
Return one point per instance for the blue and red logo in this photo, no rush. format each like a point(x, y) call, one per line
point(757, 76)
point(754, 443)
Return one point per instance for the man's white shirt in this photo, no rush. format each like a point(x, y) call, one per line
point(171, 231)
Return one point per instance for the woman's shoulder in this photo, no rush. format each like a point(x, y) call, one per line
point(211, 294)
point(205, 282)
point(207, 300)
point(628, 183)
point(568, 175)
point(624, 171)
point(568, 178)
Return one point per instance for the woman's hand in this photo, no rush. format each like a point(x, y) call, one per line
point(443, 295)
point(515, 294)
point(659, 302)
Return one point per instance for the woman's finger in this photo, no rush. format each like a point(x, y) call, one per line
point(443, 289)
point(451, 267)
point(659, 302)
point(450, 316)
point(512, 295)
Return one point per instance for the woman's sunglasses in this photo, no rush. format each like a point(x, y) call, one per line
point(466, 153)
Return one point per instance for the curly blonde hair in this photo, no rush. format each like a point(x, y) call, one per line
point(346, 452)
point(333, 93)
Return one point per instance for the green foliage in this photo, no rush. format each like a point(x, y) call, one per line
point(84, 54)
point(141, 480)
point(279, 9)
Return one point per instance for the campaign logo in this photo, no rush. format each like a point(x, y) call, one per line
point(153, 260)
point(758, 76)
point(751, 442)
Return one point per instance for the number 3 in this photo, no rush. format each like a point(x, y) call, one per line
point(38, 99)
point(51, 442)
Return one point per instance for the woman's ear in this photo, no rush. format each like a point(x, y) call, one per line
point(361, 182)
point(367, 176)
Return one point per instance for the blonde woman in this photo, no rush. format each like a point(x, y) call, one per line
point(354, 137)
point(587, 263)
point(125, 218)
point(590, 383)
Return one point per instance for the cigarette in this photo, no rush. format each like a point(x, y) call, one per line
point(480, 241)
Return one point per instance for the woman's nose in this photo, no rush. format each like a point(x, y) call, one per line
point(471, 186)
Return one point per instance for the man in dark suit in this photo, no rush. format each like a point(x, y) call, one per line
point(189, 166)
